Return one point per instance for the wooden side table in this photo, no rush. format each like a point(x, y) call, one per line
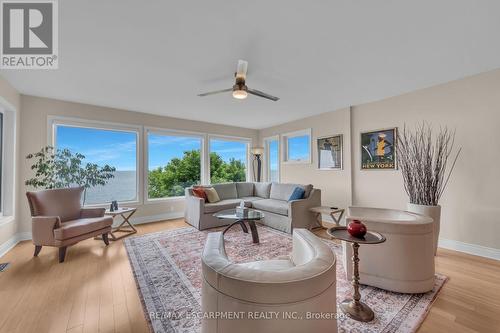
point(353, 307)
point(125, 227)
point(335, 213)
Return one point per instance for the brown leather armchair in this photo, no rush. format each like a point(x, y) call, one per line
point(59, 220)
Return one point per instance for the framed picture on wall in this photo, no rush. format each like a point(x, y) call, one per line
point(378, 150)
point(330, 152)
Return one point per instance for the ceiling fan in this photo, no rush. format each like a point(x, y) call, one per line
point(240, 89)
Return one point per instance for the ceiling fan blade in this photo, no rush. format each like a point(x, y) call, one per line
point(241, 70)
point(262, 94)
point(215, 92)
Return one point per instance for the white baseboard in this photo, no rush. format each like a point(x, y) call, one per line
point(21, 236)
point(8, 245)
point(473, 249)
point(156, 218)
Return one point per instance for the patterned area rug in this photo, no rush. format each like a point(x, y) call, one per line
point(167, 269)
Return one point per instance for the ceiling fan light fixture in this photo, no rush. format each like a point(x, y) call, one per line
point(240, 89)
point(240, 94)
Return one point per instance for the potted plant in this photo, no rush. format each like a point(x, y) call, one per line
point(424, 157)
point(62, 168)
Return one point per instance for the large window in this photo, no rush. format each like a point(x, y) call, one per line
point(116, 148)
point(272, 159)
point(297, 147)
point(174, 163)
point(228, 160)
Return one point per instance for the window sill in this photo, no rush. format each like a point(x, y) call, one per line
point(164, 200)
point(120, 203)
point(297, 162)
point(6, 220)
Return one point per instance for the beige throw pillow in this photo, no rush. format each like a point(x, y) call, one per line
point(212, 195)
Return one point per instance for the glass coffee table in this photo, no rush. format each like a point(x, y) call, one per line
point(250, 218)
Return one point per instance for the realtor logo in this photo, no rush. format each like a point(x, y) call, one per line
point(29, 34)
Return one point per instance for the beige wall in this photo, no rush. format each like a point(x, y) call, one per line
point(34, 135)
point(10, 100)
point(335, 185)
point(471, 212)
point(471, 203)
point(471, 206)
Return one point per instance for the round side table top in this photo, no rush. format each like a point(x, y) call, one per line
point(341, 233)
point(120, 210)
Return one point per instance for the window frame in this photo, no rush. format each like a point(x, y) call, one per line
point(9, 168)
point(284, 144)
point(2, 161)
point(54, 121)
point(267, 157)
point(246, 141)
point(170, 132)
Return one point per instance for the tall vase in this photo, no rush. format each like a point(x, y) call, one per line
point(433, 212)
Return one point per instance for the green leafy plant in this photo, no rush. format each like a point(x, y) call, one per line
point(179, 173)
point(61, 168)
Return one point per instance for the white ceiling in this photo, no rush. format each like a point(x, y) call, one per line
point(317, 56)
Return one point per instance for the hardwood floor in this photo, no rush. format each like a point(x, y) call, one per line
point(94, 290)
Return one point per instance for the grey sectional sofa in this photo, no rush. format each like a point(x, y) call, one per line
point(270, 198)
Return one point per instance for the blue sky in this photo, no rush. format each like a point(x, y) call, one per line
point(229, 149)
point(298, 147)
point(163, 148)
point(118, 148)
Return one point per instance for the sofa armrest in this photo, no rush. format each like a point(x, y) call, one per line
point(86, 213)
point(195, 208)
point(299, 213)
point(42, 229)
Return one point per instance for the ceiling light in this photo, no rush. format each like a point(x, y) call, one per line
point(240, 94)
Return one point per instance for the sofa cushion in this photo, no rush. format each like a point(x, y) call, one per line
point(272, 205)
point(307, 190)
point(284, 191)
point(211, 208)
point(244, 189)
point(80, 227)
point(249, 200)
point(297, 194)
point(226, 191)
point(262, 190)
point(212, 195)
point(200, 193)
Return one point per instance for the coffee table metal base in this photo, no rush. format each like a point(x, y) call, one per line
point(357, 310)
point(253, 229)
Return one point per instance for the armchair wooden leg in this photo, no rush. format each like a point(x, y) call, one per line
point(38, 248)
point(105, 238)
point(62, 253)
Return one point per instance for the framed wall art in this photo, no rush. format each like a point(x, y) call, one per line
point(378, 150)
point(330, 152)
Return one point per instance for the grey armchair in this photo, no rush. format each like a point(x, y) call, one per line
point(59, 220)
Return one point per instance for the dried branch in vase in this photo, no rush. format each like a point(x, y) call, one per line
point(424, 158)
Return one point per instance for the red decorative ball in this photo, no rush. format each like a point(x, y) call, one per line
point(356, 229)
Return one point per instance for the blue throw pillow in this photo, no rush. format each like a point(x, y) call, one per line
point(297, 194)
